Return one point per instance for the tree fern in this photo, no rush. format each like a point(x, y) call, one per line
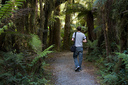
point(41, 54)
point(37, 47)
point(16, 68)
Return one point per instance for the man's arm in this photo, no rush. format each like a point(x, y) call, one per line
point(73, 36)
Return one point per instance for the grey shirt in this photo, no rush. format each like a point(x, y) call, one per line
point(79, 39)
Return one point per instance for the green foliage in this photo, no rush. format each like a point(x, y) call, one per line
point(24, 68)
point(120, 14)
point(107, 70)
point(78, 24)
point(94, 50)
point(123, 77)
point(99, 2)
point(124, 58)
point(16, 70)
point(7, 9)
point(97, 28)
point(35, 43)
point(92, 44)
point(89, 4)
point(111, 79)
point(109, 66)
point(41, 54)
point(11, 66)
point(37, 47)
point(120, 9)
point(5, 27)
point(76, 8)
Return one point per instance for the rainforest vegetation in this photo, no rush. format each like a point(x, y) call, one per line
point(31, 29)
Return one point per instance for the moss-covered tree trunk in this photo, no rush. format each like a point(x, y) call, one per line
point(33, 14)
point(56, 29)
point(41, 24)
point(67, 29)
point(50, 35)
point(45, 13)
point(47, 10)
point(105, 31)
point(110, 27)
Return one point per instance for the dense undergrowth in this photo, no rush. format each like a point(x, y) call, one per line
point(24, 68)
point(25, 65)
point(109, 75)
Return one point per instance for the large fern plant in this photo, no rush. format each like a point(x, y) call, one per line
point(7, 10)
point(24, 68)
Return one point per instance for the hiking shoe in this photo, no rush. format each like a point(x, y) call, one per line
point(77, 68)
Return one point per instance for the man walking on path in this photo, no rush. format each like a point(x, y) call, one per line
point(80, 38)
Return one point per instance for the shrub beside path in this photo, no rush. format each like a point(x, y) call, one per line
point(62, 68)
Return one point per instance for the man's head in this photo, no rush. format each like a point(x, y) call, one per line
point(78, 28)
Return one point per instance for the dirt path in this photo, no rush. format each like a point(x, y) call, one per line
point(62, 67)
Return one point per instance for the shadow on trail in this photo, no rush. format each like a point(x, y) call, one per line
point(62, 67)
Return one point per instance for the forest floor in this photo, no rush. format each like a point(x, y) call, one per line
point(61, 66)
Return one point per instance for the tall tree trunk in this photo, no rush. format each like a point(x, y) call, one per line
point(110, 23)
point(40, 31)
point(105, 29)
point(50, 35)
point(67, 29)
point(26, 18)
point(56, 29)
point(33, 16)
point(47, 10)
point(90, 25)
point(49, 6)
point(123, 43)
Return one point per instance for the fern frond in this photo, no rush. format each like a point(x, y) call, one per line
point(6, 11)
point(92, 44)
point(41, 55)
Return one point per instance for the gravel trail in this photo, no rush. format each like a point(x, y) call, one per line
point(62, 67)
